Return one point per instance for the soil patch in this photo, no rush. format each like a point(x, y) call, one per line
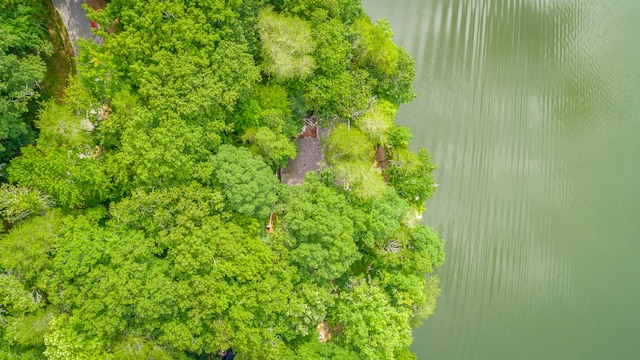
point(97, 4)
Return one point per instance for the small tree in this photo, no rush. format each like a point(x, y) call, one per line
point(247, 182)
point(286, 46)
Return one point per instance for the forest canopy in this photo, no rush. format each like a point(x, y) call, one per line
point(23, 48)
point(148, 221)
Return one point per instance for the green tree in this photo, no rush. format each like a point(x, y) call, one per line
point(22, 320)
point(346, 144)
point(72, 179)
point(344, 95)
point(248, 184)
point(333, 51)
point(275, 148)
point(412, 176)
point(374, 47)
point(378, 218)
point(397, 86)
point(21, 68)
point(156, 150)
point(287, 46)
point(372, 325)
point(320, 231)
point(134, 227)
point(321, 10)
point(17, 203)
point(377, 122)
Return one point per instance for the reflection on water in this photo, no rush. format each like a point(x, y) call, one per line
point(532, 112)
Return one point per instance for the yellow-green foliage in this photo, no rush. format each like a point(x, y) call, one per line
point(378, 121)
point(348, 144)
point(161, 160)
point(374, 45)
point(286, 45)
point(16, 202)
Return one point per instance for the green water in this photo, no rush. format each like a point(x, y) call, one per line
point(532, 112)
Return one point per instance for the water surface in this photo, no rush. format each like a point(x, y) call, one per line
point(532, 112)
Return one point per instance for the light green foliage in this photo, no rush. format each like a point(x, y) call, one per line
point(28, 330)
point(22, 322)
point(361, 177)
point(15, 299)
point(140, 348)
point(21, 67)
point(161, 163)
point(247, 183)
point(321, 231)
point(276, 109)
point(268, 135)
point(320, 10)
point(427, 308)
point(71, 179)
point(28, 248)
point(428, 249)
point(179, 57)
point(412, 176)
point(25, 261)
point(183, 285)
point(190, 86)
point(17, 203)
point(346, 144)
point(374, 46)
point(286, 46)
point(378, 218)
point(412, 250)
point(350, 154)
point(59, 126)
point(275, 148)
point(161, 211)
point(166, 153)
point(372, 325)
point(397, 86)
point(273, 98)
point(377, 122)
point(64, 342)
point(315, 350)
point(391, 66)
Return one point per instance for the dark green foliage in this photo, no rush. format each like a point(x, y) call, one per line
point(135, 227)
point(21, 68)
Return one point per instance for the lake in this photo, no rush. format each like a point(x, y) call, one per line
point(531, 110)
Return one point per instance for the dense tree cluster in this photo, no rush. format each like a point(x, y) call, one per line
point(22, 48)
point(134, 228)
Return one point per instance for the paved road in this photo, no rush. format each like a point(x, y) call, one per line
point(75, 20)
